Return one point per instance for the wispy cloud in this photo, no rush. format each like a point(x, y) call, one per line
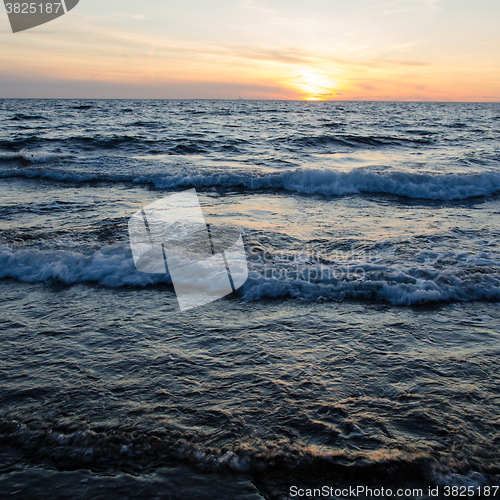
point(431, 7)
point(259, 48)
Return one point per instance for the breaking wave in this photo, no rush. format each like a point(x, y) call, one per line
point(327, 182)
point(470, 278)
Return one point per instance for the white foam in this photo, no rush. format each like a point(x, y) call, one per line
point(333, 183)
point(111, 266)
point(393, 282)
point(425, 185)
point(38, 157)
point(392, 292)
point(390, 280)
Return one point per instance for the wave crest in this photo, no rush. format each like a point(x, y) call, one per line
point(327, 182)
point(392, 282)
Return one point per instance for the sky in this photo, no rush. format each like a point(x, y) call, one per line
point(416, 50)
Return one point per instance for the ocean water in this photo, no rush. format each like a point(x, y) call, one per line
point(362, 350)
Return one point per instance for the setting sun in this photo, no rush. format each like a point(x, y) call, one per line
point(313, 85)
point(260, 49)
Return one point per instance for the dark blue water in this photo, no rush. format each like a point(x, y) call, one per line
point(363, 348)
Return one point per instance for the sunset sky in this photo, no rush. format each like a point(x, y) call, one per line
point(438, 50)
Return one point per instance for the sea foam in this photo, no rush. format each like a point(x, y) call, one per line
point(392, 282)
point(327, 182)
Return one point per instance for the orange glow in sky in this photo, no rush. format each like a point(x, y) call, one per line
point(438, 50)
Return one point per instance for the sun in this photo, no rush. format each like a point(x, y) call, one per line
point(314, 84)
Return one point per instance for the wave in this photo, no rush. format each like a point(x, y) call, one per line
point(390, 285)
point(31, 157)
point(353, 140)
point(119, 446)
point(19, 117)
point(386, 277)
point(38, 157)
point(111, 266)
point(89, 143)
point(425, 185)
point(414, 282)
point(175, 146)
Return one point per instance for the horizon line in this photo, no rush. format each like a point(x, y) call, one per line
point(239, 99)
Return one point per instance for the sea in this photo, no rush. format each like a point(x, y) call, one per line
point(363, 350)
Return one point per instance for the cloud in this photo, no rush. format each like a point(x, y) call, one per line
point(431, 7)
point(366, 86)
point(49, 87)
point(260, 9)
